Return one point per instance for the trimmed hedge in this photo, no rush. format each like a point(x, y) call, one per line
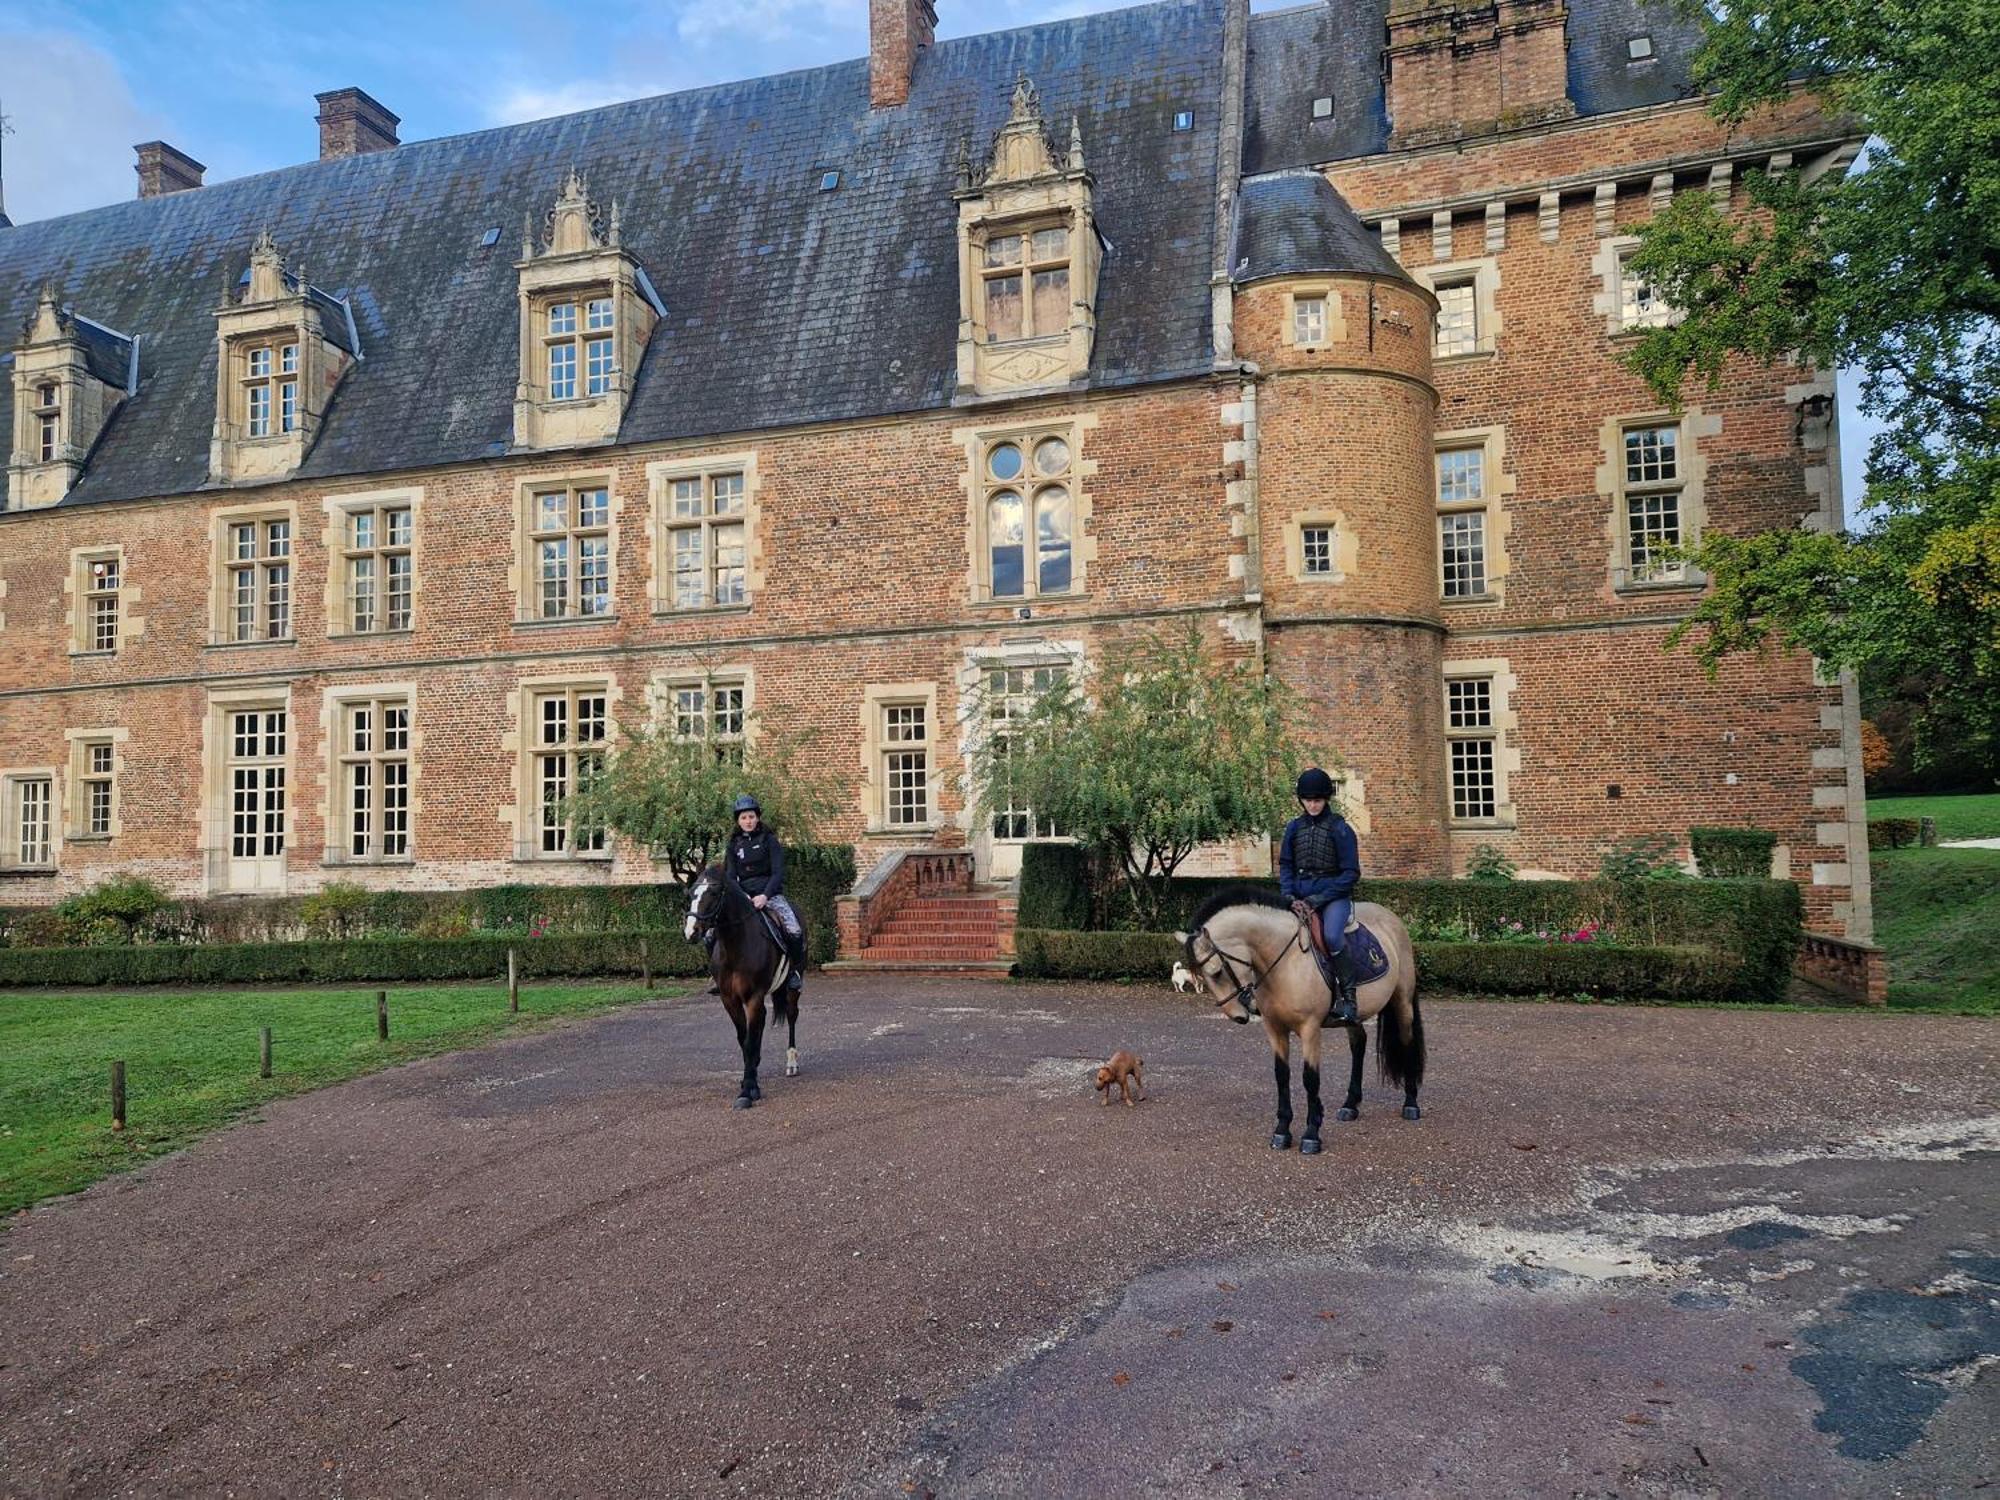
point(1055, 887)
point(1893, 833)
point(401, 960)
point(1473, 968)
point(814, 875)
point(1722, 853)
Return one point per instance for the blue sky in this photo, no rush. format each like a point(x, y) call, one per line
point(231, 82)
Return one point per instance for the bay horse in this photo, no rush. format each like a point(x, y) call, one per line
point(1253, 955)
point(749, 966)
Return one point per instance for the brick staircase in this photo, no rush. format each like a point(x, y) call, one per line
point(918, 912)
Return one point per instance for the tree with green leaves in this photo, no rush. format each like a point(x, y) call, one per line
point(1167, 746)
point(1893, 272)
point(674, 794)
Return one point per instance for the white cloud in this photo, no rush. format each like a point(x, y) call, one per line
point(75, 123)
point(532, 102)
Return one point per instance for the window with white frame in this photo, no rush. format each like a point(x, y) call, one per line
point(705, 539)
point(374, 778)
point(1640, 304)
point(378, 563)
point(1458, 317)
point(257, 587)
point(257, 783)
point(568, 733)
point(48, 422)
point(1651, 502)
point(1024, 283)
point(1461, 496)
point(96, 783)
point(905, 762)
point(579, 353)
point(270, 390)
point(1011, 695)
point(1316, 545)
point(570, 551)
point(1472, 745)
point(29, 814)
point(710, 711)
point(1309, 320)
point(1029, 508)
point(100, 580)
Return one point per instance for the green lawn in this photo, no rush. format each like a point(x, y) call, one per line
point(1937, 912)
point(1976, 817)
point(191, 1061)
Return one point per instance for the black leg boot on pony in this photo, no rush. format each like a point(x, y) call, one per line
point(1344, 1007)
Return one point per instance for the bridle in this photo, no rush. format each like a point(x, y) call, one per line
point(1246, 989)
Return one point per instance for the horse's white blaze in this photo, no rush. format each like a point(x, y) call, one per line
point(694, 905)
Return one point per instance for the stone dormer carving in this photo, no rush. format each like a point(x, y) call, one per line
point(282, 347)
point(587, 310)
point(1028, 258)
point(69, 375)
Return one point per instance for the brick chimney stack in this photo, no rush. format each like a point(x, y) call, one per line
point(897, 31)
point(163, 170)
point(1460, 68)
point(353, 124)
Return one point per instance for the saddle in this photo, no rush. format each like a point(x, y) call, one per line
point(1364, 951)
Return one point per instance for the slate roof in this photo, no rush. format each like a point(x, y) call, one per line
point(1292, 223)
point(784, 304)
point(1334, 48)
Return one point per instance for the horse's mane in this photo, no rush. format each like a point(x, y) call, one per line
point(1236, 895)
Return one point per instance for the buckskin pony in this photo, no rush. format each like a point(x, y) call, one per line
point(1253, 957)
point(750, 967)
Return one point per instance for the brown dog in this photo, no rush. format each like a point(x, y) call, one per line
point(1123, 1069)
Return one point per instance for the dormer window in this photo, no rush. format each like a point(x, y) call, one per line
point(1027, 284)
point(271, 391)
point(48, 421)
point(579, 336)
point(68, 377)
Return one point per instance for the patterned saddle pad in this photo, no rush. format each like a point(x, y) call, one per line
point(1371, 959)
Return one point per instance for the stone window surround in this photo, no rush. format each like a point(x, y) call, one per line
point(875, 697)
point(80, 741)
point(1696, 427)
point(333, 544)
point(332, 723)
point(661, 686)
point(523, 581)
point(1346, 546)
point(659, 525)
point(130, 625)
point(11, 778)
point(518, 743)
point(221, 603)
point(1484, 274)
point(1608, 265)
point(1069, 426)
point(1335, 322)
point(1500, 488)
point(972, 720)
point(1504, 732)
point(212, 809)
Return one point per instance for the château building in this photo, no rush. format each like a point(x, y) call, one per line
point(350, 509)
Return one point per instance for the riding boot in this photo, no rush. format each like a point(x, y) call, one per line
point(1345, 1009)
point(795, 950)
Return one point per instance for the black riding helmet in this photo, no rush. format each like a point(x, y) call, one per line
point(746, 803)
point(1315, 783)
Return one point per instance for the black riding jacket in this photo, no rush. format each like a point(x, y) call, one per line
point(756, 862)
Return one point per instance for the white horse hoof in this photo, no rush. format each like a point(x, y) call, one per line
point(791, 1062)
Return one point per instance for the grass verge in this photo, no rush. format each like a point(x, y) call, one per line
point(1937, 913)
point(1974, 817)
point(191, 1061)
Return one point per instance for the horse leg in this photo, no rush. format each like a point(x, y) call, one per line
point(1309, 1045)
point(736, 1015)
point(753, 1055)
point(1357, 1044)
point(792, 1034)
point(1281, 1070)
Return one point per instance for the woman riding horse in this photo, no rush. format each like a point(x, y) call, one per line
point(1319, 864)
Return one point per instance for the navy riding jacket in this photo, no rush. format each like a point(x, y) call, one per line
point(1319, 860)
point(756, 862)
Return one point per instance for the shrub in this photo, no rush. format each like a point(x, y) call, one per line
point(1041, 954)
point(1567, 969)
point(1055, 887)
point(337, 910)
point(1488, 863)
point(1641, 856)
point(1720, 853)
point(1893, 833)
point(116, 910)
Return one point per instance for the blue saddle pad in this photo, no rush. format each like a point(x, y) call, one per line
point(1370, 958)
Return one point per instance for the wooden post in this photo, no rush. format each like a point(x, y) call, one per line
point(381, 1015)
point(513, 981)
point(118, 1096)
point(264, 1052)
point(645, 963)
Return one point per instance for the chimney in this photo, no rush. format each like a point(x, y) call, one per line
point(163, 170)
point(1461, 68)
point(352, 124)
point(897, 31)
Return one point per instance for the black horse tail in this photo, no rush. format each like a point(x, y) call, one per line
point(1401, 1047)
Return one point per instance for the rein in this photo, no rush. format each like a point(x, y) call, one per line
point(1246, 989)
